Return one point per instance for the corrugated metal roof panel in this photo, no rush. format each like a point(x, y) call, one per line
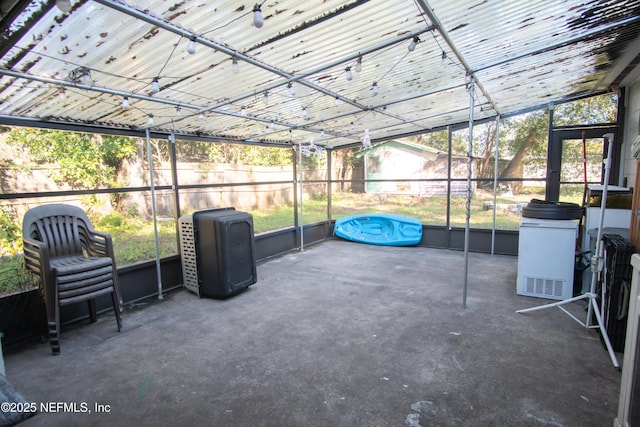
point(522, 54)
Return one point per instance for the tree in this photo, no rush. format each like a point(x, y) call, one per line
point(85, 161)
point(530, 135)
point(530, 132)
point(247, 154)
point(440, 141)
point(593, 110)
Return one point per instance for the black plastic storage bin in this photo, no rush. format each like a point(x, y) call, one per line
point(617, 286)
point(225, 251)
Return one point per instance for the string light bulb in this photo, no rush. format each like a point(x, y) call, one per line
point(304, 111)
point(348, 73)
point(265, 98)
point(414, 43)
point(150, 120)
point(234, 66)
point(201, 116)
point(125, 102)
point(258, 22)
point(64, 5)
point(359, 64)
point(243, 111)
point(292, 90)
point(155, 86)
point(191, 47)
point(336, 102)
point(352, 126)
point(374, 88)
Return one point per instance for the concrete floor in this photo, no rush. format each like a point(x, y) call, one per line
point(341, 334)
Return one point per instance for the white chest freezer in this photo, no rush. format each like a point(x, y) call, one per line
point(546, 258)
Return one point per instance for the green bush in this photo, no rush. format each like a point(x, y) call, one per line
point(13, 276)
point(10, 233)
point(114, 220)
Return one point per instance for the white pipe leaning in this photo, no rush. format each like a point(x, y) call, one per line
point(300, 218)
point(495, 185)
point(155, 216)
point(468, 206)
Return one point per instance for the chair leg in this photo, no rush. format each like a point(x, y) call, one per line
point(54, 338)
point(92, 310)
point(116, 309)
point(53, 324)
point(53, 316)
point(116, 287)
point(42, 319)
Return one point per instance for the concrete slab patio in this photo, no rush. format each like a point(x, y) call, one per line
point(340, 334)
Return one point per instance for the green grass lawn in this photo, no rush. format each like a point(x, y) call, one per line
point(134, 239)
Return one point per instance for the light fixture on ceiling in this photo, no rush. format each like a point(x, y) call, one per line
point(292, 90)
point(312, 150)
point(336, 101)
point(155, 86)
point(413, 44)
point(243, 111)
point(322, 132)
point(374, 88)
point(81, 75)
point(305, 150)
point(191, 47)
point(257, 16)
point(64, 5)
point(125, 102)
point(201, 116)
point(178, 110)
point(265, 98)
point(304, 111)
point(271, 124)
point(234, 66)
point(352, 126)
point(468, 81)
point(359, 64)
point(444, 56)
point(86, 79)
point(348, 73)
point(366, 139)
point(150, 120)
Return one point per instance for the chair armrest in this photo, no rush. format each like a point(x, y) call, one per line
point(36, 256)
point(100, 244)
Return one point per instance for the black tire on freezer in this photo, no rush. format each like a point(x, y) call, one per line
point(541, 209)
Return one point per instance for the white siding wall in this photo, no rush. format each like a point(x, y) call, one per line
point(631, 132)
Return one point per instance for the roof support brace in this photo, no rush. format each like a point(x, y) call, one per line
point(240, 56)
point(438, 25)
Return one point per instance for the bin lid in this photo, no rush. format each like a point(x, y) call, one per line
point(566, 224)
